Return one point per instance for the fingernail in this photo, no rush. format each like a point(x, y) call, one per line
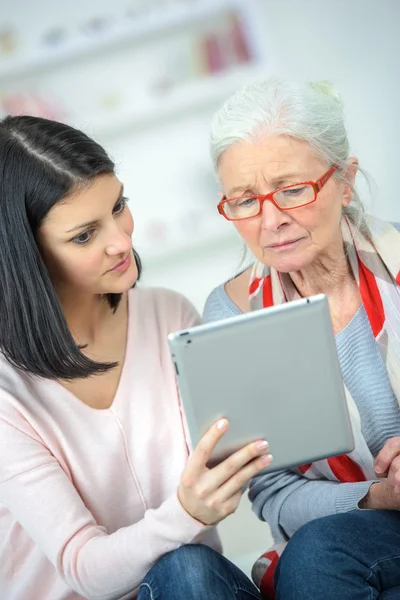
point(222, 424)
point(267, 458)
point(262, 445)
point(378, 470)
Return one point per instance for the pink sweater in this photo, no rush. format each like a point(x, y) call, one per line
point(88, 497)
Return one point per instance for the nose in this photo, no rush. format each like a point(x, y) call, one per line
point(119, 241)
point(272, 218)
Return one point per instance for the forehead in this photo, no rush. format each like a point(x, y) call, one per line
point(88, 203)
point(269, 158)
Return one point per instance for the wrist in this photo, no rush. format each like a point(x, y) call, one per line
point(377, 498)
point(366, 502)
point(189, 513)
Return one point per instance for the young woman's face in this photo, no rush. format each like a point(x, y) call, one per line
point(86, 242)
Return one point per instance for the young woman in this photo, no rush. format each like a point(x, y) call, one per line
point(97, 496)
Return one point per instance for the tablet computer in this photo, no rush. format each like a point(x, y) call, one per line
point(274, 374)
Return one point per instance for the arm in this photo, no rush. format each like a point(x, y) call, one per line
point(98, 565)
point(42, 498)
point(286, 500)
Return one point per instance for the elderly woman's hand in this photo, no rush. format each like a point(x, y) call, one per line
point(385, 495)
point(381, 496)
point(210, 495)
point(387, 463)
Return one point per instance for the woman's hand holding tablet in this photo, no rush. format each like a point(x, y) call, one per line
point(211, 494)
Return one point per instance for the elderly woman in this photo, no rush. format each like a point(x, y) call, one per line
point(281, 154)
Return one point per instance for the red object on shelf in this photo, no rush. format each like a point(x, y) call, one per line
point(214, 56)
point(241, 46)
point(29, 103)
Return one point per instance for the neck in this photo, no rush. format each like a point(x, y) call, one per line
point(86, 315)
point(330, 274)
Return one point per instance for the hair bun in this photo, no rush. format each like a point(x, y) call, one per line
point(327, 88)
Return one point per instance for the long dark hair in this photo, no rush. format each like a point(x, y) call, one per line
point(41, 162)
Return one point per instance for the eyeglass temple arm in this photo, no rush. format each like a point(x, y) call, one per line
point(321, 182)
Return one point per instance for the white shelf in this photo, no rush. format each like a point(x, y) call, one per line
point(201, 93)
point(155, 22)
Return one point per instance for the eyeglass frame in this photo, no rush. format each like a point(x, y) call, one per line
point(316, 185)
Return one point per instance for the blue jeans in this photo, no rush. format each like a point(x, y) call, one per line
point(196, 572)
point(348, 556)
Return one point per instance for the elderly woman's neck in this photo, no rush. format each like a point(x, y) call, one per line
point(330, 274)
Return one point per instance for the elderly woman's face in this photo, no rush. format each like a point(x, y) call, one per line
point(285, 240)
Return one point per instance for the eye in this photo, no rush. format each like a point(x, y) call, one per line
point(294, 191)
point(242, 202)
point(83, 238)
point(119, 207)
point(247, 202)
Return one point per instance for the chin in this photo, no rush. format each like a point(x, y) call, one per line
point(288, 264)
point(124, 283)
point(288, 268)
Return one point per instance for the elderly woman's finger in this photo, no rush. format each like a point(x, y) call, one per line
point(385, 457)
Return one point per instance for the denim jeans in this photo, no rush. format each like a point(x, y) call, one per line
point(348, 556)
point(196, 572)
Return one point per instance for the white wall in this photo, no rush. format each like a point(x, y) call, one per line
point(356, 45)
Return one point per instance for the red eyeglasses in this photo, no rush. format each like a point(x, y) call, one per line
point(285, 198)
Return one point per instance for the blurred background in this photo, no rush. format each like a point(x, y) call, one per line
point(144, 77)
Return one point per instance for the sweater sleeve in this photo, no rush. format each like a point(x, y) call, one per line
point(219, 306)
point(287, 500)
point(42, 498)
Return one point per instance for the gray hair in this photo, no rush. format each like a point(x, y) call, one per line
point(311, 112)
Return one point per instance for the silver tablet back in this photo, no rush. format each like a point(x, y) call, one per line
point(274, 374)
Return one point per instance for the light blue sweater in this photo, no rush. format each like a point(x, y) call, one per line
point(285, 499)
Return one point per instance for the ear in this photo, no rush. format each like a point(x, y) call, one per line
point(350, 173)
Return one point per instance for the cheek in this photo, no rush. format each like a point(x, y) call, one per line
point(319, 219)
point(249, 231)
point(82, 266)
point(326, 220)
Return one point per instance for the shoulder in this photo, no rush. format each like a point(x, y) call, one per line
point(18, 401)
point(397, 226)
point(162, 308)
point(379, 225)
point(13, 381)
point(238, 289)
point(228, 299)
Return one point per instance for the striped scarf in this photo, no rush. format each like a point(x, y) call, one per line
point(375, 263)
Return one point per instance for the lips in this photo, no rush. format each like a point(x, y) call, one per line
point(283, 244)
point(122, 264)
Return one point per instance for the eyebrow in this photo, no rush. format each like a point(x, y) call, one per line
point(277, 182)
point(92, 223)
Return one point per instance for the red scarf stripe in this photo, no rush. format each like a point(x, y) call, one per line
point(267, 588)
point(254, 285)
point(267, 292)
point(343, 468)
point(304, 468)
point(346, 470)
point(398, 278)
point(371, 298)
